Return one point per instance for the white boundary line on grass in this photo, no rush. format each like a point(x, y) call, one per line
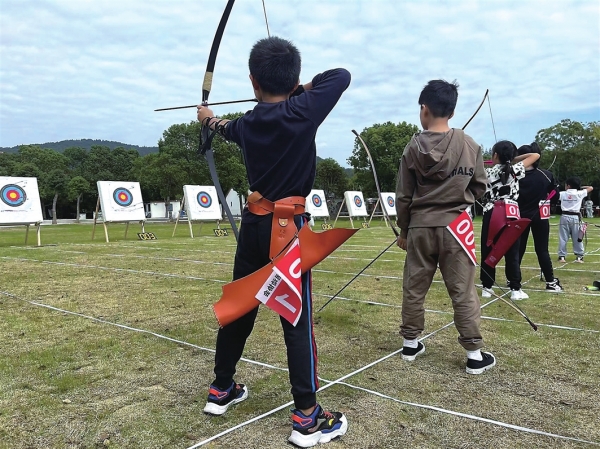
point(469, 416)
point(338, 381)
point(126, 270)
point(134, 329)
point(442, 312)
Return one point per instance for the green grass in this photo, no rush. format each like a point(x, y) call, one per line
point(70, 382)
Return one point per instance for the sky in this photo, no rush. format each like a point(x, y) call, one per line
point(97, 69)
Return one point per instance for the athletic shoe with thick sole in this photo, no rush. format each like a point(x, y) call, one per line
point(487, 292)
point(579, 259)
point(517, 295)
point(480, 366)
point(220, 400)
point(554, 286)
point(319, 427)
point(410, 354)
point(562, 259)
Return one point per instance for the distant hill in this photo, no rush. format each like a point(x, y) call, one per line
point(84, 143)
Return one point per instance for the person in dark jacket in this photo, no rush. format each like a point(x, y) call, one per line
point(535, 188)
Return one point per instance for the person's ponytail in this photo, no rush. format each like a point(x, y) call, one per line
point(506, 151)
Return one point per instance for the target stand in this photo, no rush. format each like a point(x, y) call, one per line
point(385, 200)
point(200, 204)
point(20, 204)
point(355, 205)
point(120, 202)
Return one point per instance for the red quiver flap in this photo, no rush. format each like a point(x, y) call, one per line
point(509, 234)
point(239, 296)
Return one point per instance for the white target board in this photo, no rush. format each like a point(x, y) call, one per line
point(202, 203)
point(316, 205)
point(121, 201)
point(19, 201)
point(388, 200)
point(356, 204)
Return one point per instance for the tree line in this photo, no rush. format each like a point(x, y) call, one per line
point(67, 179)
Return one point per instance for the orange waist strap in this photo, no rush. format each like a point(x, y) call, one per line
point(258, 205)
point(283, 228)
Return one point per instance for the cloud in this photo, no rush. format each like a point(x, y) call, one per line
point(88, 69)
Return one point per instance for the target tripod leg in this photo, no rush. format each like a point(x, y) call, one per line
point(26, 233)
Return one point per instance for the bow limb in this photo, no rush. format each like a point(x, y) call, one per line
point(487, 91)
point(205, 133)
point(372, 163)
point(553, 161)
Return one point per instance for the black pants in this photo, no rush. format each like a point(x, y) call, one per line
point(540, 229)
point(252, 254)
point(512, 265)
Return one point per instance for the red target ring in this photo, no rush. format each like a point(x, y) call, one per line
point(357, 201)
point(316, 200)
point(13, 195)
point(390, 201)
point(204, 199)
point(122, 197)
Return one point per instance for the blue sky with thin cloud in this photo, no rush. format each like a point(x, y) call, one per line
point(73, 69)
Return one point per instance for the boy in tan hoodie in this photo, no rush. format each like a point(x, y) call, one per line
point(441, 174)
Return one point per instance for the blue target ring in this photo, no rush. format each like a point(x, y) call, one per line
point(316, 199)
point(13, 195)
point(204, 199)
point(357, 201)
point(390, 201)
point(122, 197)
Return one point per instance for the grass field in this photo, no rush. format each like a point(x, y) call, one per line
point(110, 345)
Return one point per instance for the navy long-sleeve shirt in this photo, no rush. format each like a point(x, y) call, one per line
point(278, 139)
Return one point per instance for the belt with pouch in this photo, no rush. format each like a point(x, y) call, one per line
point(283, 227)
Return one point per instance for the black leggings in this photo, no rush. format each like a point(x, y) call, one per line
point(512, 265)
point(541, 233)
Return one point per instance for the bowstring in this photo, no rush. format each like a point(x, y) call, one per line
point(266, 20)
point(492, 117)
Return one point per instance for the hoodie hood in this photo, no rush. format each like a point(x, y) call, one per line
point(437, 154)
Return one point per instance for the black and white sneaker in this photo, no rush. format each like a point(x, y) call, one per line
point(480, 366)
point(554, 286)
point(579, 259)
point(411, 353)
point(219, 400)
point(320, 427)
point(562, 259)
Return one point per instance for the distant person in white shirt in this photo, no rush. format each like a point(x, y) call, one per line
point(589, 208)
point(570, 203)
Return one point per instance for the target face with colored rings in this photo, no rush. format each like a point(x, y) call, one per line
point(204, 199)
point(122, 197)
point(13, 195)
point(390, 201)
point(357, 201)
point(316, 199)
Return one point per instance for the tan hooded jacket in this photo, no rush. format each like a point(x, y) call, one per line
point(440, 175)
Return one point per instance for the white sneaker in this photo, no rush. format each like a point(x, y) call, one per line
point(487, 292)
point(517, 295)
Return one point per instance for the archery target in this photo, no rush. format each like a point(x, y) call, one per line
point(122, 197)
point(388, 200)
point(316, 205)
point(19, 201)
point(204, 199)
point(202, 203)
point(13, 195)
point(121, 201)
point(356, 204)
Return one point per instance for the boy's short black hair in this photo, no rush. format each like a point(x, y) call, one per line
point(533, 148)
point(275, 64)
point(440, 97)
point(574, 182)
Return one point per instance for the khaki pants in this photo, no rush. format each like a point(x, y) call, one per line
point(426, 247)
